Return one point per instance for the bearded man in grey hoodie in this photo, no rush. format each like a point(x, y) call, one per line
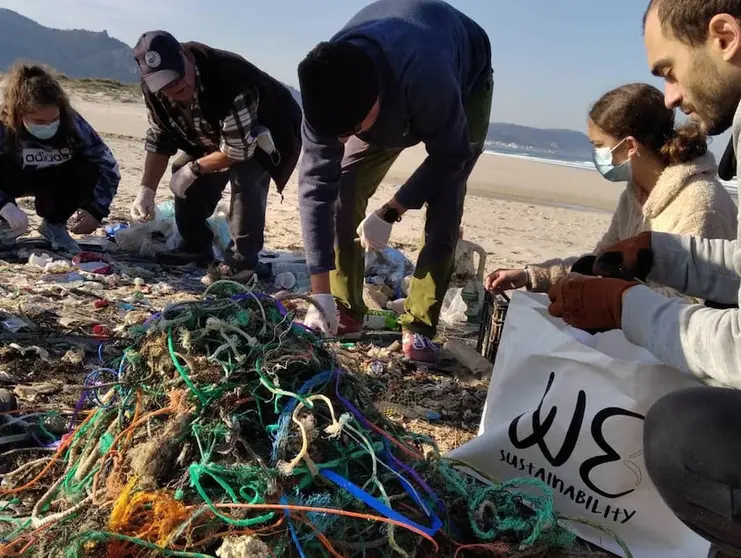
point(691, 437)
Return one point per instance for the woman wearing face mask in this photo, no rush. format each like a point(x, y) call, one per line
point(671, 182)
point(51, 153)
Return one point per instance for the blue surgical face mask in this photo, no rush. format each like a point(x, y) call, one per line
point(42, 131)
point(602, 157)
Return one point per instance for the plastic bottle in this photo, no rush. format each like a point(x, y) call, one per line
point(470, 277)
point(381, 320)
point(473, 296)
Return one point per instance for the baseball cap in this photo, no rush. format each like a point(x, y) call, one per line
point(160, 59)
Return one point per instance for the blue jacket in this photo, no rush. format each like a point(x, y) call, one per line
point(31, 153)
point(429, 57)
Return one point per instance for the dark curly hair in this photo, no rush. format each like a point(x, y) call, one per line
point(638, 110)
point(28, 86)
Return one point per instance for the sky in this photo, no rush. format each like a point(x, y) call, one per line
point(552, 58)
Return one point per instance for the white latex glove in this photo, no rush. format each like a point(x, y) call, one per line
point(143, 209)
point(182, 180)
point(374, 232)
point(16, 218)
point(315, 320)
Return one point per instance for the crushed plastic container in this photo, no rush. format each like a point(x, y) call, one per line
point(275, 265)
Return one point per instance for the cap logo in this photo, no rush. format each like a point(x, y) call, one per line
point(153, 59)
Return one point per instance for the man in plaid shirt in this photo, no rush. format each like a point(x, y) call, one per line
point(233, 123)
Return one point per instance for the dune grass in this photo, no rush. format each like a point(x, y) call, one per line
point(116, 90)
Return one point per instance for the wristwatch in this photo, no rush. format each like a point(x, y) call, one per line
point(195, 168)
point(529, 273)
point(389, 214)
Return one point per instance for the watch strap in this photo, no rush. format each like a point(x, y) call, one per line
point(390, 214)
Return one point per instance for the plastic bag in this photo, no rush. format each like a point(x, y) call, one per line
point(454, 307)
point(152, 238)
point(571, 415)
point(219, 225)
point(389, 265)
point(165, 212)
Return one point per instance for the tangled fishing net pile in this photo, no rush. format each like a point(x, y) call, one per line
point(228, 430)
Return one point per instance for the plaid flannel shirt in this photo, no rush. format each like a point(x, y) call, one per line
point(233, 139)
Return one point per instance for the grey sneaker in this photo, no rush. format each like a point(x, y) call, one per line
point(7, 235)
point(224, 272)
point(59, 238)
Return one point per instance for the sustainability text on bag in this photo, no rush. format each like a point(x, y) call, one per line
point(568, 408)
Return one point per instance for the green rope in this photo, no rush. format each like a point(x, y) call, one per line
point(182, 371)
point(254, 366)
point(195, 471)
point(605, 530)
point(76, 551)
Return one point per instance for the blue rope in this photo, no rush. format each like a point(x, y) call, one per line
point(291, 528)
point(284, 420)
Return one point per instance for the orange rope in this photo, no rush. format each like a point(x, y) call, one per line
point(354, 515)
point(152, 516)
point(176, 400)
point(137, 412)
point(231, 533)
point(129, 429)
point(117, 460)
point(62, 448)
point(410, 452)
point(324, 540)
point(7, 549)
point(116, 456)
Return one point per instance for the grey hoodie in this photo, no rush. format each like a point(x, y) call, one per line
point(703, 341)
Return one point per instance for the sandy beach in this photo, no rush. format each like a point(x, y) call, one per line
point(516, 209)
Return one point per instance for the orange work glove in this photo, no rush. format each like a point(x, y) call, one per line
point(629, 259)
point(589, 303)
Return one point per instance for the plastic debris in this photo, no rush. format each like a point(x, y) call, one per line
point(14, 324)
point(8, 401)
point(387, 267)
point(200, 428)
point(454, 308)
point(468, 357)
point(381, 320)
point(377, 367)
point(245, 546)
point(285, 280)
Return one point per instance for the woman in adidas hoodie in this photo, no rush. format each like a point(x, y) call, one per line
point(51, 153)
point(670, 177)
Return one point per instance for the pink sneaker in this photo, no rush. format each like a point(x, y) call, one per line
point(419, 347)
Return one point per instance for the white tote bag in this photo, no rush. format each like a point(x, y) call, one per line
point(570, 412)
